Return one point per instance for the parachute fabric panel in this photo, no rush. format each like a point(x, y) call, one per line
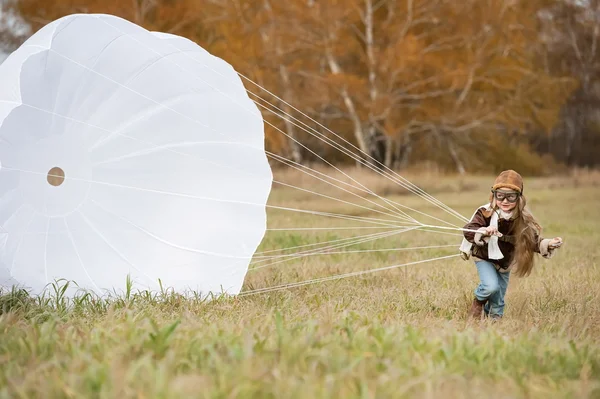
point(127, 152)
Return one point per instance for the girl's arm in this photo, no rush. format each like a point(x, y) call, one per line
point(478, 222)
point(546, 246)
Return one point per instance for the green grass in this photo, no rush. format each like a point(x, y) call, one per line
point(401, 333)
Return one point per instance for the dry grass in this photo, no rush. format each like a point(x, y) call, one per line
point(398, 333)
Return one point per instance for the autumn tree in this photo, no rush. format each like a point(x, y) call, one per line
point(456, 83)
point(252, 37)
point(408, 70)
point(570, 35)
point(177, 17)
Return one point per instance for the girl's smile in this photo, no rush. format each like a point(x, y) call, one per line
point(506, 206)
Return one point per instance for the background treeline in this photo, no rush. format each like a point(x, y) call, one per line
point(469, 85)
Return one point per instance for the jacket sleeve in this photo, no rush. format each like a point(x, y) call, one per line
point(477, 222)
point(543, 247)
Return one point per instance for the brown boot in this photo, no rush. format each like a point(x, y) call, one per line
point(476, 308)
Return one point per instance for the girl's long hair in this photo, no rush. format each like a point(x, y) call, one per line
point(526, 231)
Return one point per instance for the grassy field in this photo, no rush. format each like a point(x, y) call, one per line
point(399, 333)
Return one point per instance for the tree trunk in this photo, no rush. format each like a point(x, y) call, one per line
point(446, 142)
point(294, 148)
point(141, 8)
point(403, 151)
point(361, 140)
point(389, 152)
point(459, 165)
point(371, 140)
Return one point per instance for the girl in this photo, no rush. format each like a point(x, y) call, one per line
point(506, 237)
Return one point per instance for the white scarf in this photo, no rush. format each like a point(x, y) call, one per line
point(493, 248)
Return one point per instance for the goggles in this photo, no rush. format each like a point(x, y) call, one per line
point(510, 196)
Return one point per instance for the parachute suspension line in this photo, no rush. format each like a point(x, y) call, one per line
point(326, 250)
point(408, 185)
point(330, 164)
point(334, 228)
point(304, 169)
point(338, 277)
point(379, 222)
point(382, 222)
point(338, 240)
point(348, 242)
point(352, 252)
point(414, 187)
point(336, 199)
point(292, 257)
point(441, 232)
point(450, 228)
point(258, 254)
point(318, 251)
point(340, 148)
point(386, 200)
point(262, 263)
point(359, 251)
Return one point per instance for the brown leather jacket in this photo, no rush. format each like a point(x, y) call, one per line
point(481, 219)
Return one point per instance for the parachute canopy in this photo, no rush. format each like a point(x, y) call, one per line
point(127, 152)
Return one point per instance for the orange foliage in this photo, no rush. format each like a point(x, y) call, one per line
point(429, 65)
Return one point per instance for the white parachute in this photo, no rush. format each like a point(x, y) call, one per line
point(127, 152)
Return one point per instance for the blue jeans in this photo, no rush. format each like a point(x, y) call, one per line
point(491, 288)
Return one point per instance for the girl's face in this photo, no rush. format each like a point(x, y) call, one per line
point(506, 199)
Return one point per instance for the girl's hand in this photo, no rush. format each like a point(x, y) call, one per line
point(492, 231)
point(556, 242)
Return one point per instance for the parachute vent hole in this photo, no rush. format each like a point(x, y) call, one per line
point(56, 176)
